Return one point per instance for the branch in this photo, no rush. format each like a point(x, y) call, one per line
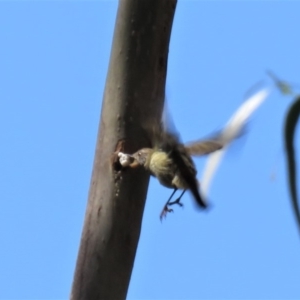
point(134, 95)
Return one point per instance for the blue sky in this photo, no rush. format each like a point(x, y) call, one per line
point(54, 59)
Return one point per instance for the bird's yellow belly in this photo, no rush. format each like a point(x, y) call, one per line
point(162, 167)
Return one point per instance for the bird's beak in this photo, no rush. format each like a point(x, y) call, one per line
point(134, 162)
point(125, 159)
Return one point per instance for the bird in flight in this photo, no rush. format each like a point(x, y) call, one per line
point(171, 163)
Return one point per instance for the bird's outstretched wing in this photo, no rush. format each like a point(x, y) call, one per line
point(203, 147)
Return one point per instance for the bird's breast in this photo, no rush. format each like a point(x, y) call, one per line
point(162, 167)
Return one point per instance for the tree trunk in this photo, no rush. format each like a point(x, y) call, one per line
point(134, 95)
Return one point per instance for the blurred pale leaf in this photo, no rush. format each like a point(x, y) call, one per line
point(231, 131)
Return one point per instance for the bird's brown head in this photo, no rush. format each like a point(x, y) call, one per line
point(141, 157)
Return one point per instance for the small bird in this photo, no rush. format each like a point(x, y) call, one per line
point(171, 163)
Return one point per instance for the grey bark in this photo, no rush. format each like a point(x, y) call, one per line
point(133, 97)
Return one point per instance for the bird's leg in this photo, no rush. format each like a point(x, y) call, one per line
point(166, 209)
point(177, 201)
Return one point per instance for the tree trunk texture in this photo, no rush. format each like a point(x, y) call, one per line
point(134, 96)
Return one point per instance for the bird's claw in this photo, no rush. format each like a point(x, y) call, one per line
point(166, 208)
point(164, 212)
